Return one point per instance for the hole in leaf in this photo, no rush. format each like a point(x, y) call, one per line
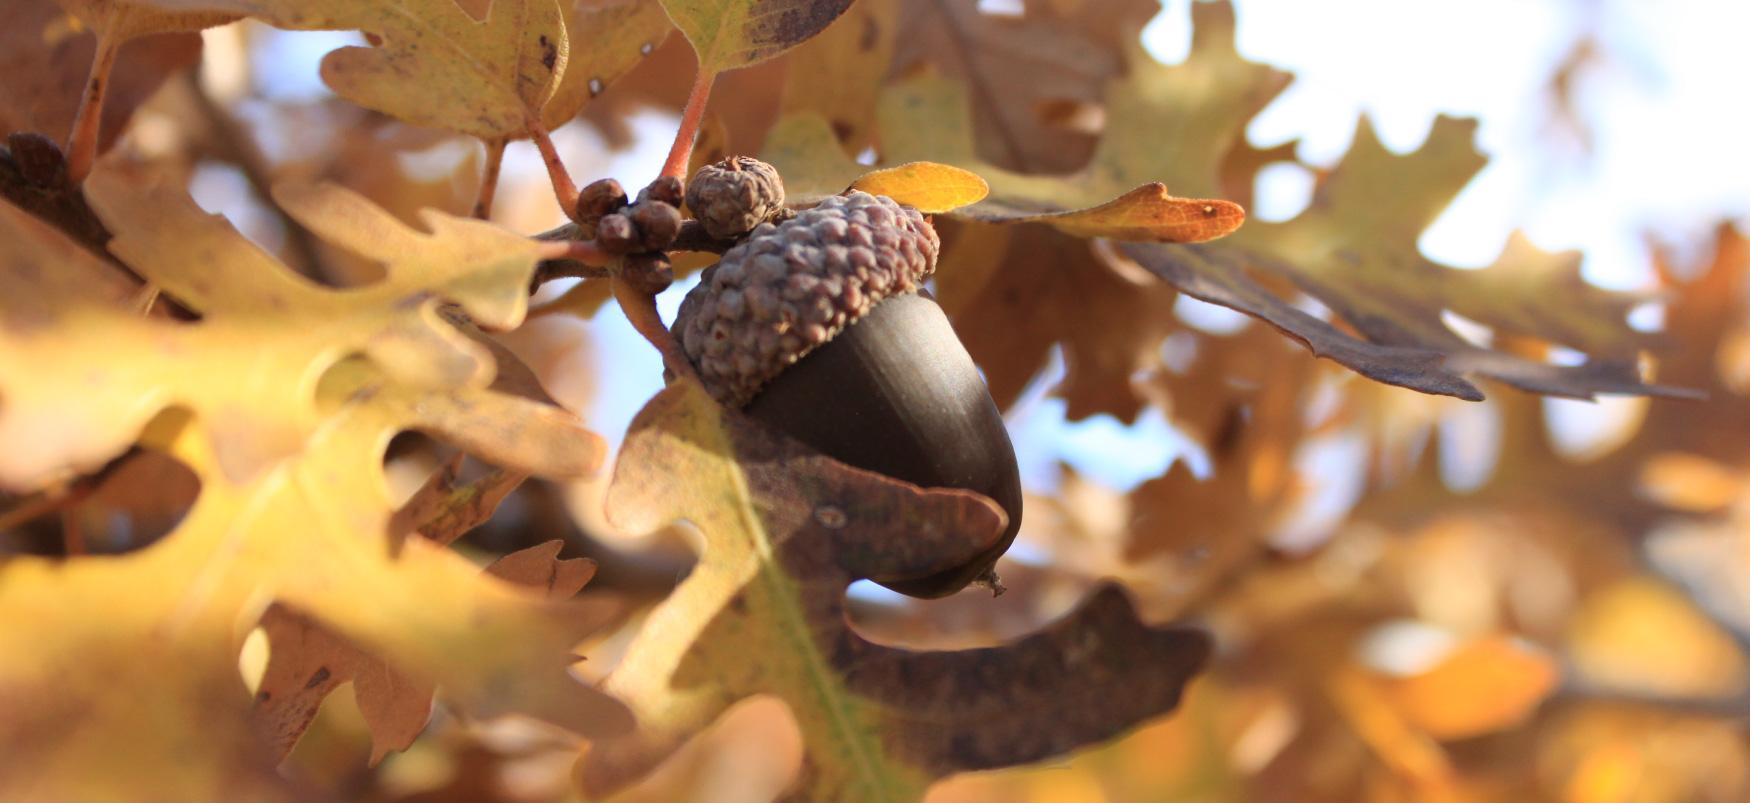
point(128, 504)
point(1282, 191)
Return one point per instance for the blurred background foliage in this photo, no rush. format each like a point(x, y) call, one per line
point(1415, 598)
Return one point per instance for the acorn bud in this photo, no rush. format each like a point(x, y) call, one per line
point(649, 273)
point(818, 328)
point(657, 223)
point(598, 199)
point(667, 189)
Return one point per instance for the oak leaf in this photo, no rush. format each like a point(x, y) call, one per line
point(1038, 72)
point(728, 34)
point(1354, 249)
point(133, 658)
point(78, 386)
point(785, 532)
point(1101, 201)
point(307, 661)
point(835, 74)
point(121, 20)
point(607, 41)
point(1016, 292)
point(434, 64)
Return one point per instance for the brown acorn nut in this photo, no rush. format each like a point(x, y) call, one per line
point(819, 328)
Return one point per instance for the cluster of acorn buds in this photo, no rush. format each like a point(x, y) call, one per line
point(641, 231)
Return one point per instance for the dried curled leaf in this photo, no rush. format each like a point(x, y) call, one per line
point(308, 661)
point(1354, 248)
point(727, 34)
point(786, 531)
point(304, 522)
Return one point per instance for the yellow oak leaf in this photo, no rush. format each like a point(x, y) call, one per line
point(79, 384)
point(132, 659)
point(607, 41)
point(785, 532)
point(86, 652)
point(727, 34)
point(121, 20)
point(928, 186)
point(1640, 635)
point(1484, 685)
point(831, 74)
point(433, 64)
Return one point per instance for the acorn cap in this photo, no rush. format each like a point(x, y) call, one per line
point(732, 196)
point(789, 288)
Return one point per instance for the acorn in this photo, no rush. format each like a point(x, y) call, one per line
point(819, 327)
point(732, 196)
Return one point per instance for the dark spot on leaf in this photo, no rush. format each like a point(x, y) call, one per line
point(798, 21)
point(318, 678)
point(549, 53)
point(871, 34)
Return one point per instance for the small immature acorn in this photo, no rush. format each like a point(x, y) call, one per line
point(819, 327)
point(657, 223)
point(649, 273)
point(666, 189)
point(598, 199)
point(732, 196)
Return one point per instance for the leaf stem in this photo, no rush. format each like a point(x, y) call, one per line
point(587, 252)
point(682, 151)
point(489, 179)
point(82, 142)
point(640, 309)
point(564, 189)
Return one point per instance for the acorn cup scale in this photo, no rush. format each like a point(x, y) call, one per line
point(818, 327)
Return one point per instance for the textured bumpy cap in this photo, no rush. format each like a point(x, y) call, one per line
point(734, 195)
point(792, 287)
